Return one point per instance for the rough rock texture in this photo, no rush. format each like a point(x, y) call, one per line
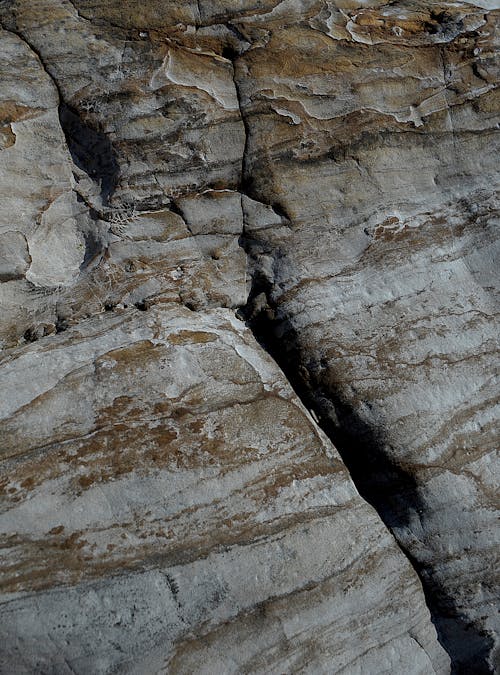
point(386, 283)
point(326, 172)
point(171, 503)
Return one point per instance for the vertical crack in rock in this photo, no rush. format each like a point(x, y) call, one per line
point(385, 485)
point(392, 491)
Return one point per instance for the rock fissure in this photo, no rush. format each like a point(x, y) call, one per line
point(385, 484)
point(389, 488)
point(262, 316)
point(247, 161)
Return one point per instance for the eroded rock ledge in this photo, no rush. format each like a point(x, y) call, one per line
point(324, 172)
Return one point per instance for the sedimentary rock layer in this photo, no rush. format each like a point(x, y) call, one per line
point(171, 503)
point(325, 172)
point(384, 159)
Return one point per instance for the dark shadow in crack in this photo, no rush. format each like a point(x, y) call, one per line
point(91, 151)
point(391, 490)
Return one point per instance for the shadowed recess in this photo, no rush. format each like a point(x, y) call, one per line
point(391, 490)
point(91, 151)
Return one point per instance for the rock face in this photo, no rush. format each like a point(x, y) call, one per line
point(384, 159)
point(171, 503)
point(325, 173)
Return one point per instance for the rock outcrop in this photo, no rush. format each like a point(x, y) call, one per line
point(183, 188)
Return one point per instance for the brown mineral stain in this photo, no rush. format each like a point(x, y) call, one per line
point(129, 355)
point(310, 469)
point(73, 542)
point(57, 530)
point(196, 425)
point(191, 337)
point(10, 111)
point(7, 136)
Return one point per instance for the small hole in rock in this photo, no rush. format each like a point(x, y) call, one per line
point(61, 324)
point(229, 53)
point(30, 335)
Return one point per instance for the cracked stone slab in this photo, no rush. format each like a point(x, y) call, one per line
point(145, 526)
point(169, 504)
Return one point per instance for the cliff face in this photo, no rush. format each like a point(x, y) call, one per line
point(201, 203)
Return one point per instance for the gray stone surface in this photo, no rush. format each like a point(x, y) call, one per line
point(325, 172)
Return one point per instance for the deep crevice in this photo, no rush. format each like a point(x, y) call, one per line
point(90, 149)
point(392, 491)
point(385, 485)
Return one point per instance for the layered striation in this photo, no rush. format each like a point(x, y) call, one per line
point(171, 505)
point(326, 173)
point(384, 286)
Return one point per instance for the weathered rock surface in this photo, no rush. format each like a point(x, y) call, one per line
point(328, 172)
point(171, 503)
point(385, 160)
